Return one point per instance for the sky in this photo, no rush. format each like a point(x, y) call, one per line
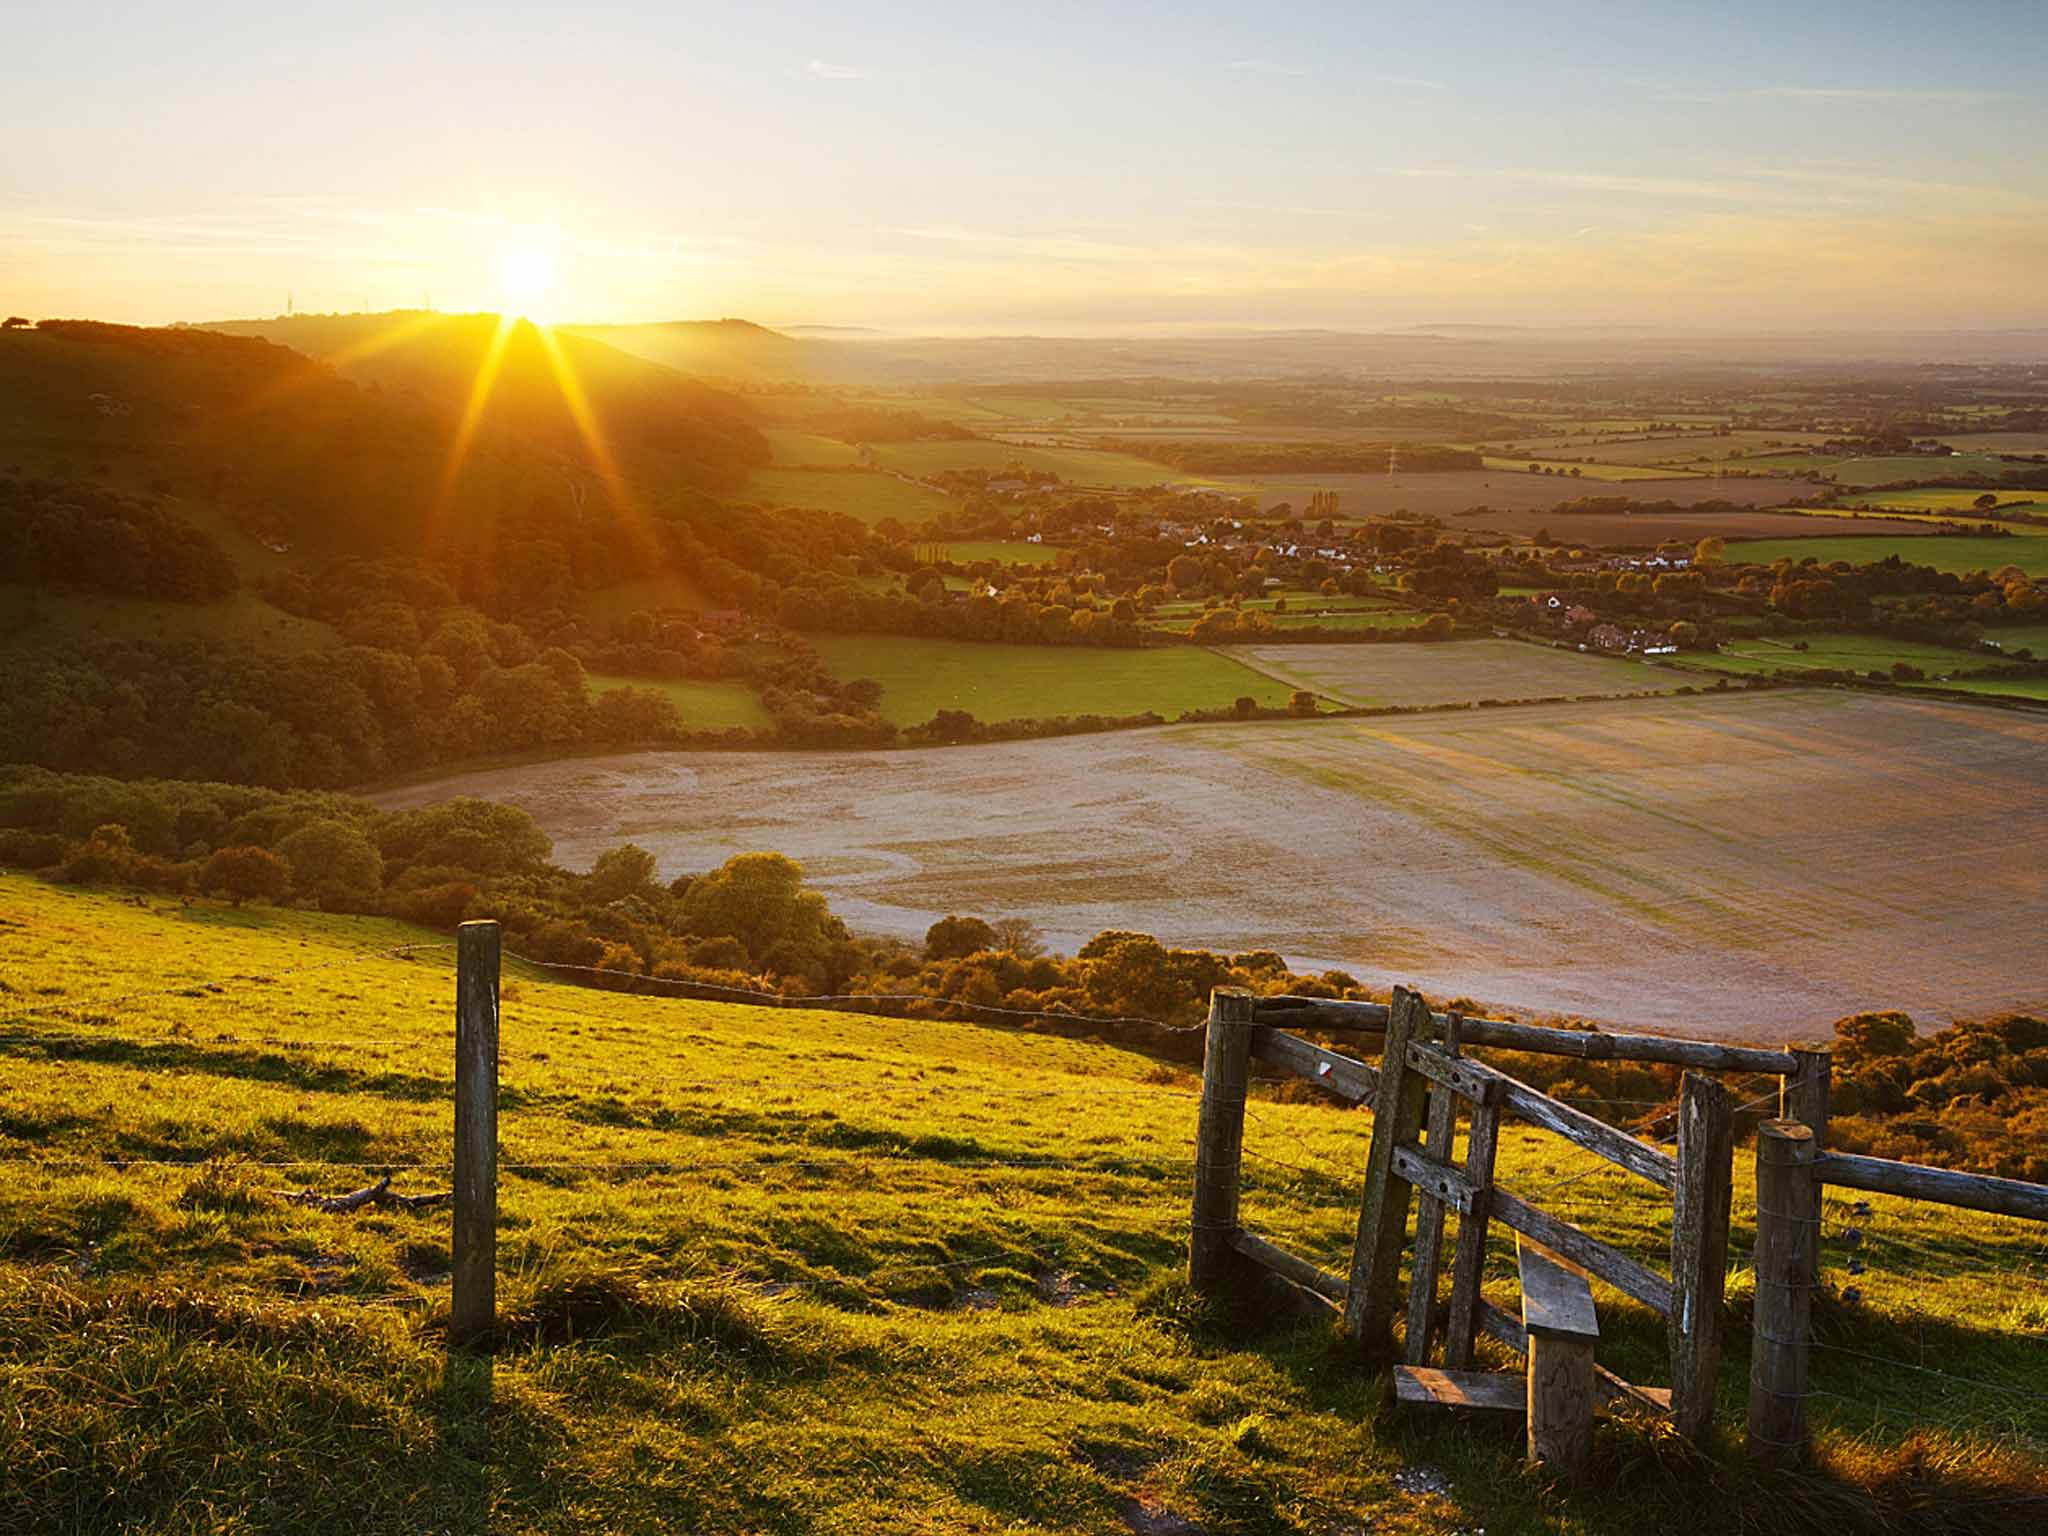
point(1061, 168)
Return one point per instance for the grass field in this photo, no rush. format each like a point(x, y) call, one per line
point(705, 706)
point(1015, 682)
point(1835, 651)
point(782, 1271)
point(1081, 466)
point(869, 496)
point(795, 448)
point(1003, 551)
point(1889, 468)
point(1951, 499)
point(1959, 553)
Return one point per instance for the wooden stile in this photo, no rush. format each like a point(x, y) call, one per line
point(1429, 1212)
point(1383, 1213)
point(1562, 1328)
point(1468, 1258)
point(1787, 1269)
point(1699, 1251)
point(1219, 1139)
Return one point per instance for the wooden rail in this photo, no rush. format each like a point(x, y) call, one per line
point(1340, 1017)
point(1916, 1181)
point(1289, 1267)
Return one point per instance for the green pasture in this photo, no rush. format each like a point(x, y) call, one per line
point(866, 494)
point(1833, 650)
point(1959, 553)
point(31, 616)
point(1080, 466)
point(1602, 472)
point(1013, 682)
point(704, 706)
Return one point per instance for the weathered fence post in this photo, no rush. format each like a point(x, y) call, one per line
point(1383, 1213)
point(1803, 1095)
point(473, 1304)
point(1787, 1267)
point(1699, 1250)
point(1442, 1129)
point(1219, 1138)
point(1557, 1309)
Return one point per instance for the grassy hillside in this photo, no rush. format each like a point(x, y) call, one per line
point(790, 1271)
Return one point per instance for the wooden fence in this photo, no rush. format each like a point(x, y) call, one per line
point(1422, 1084)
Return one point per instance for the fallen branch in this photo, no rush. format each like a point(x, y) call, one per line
point(378, 1194)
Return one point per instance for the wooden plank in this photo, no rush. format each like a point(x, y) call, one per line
point(1583, 1249)
point(1437, 1180)
point(1466, 1079)
point(1596, 1136)
point(1916, 1181)
point(1383, 1210)
point(1496, 1324)
point(1335, 1016)
point(1555, 1301)
point(1468, 1258)
point(473, 1250)
point(1350, 1080)
point(1699, 1251)
point(1483, 1391)
point(1442, 1133)
point(1294, 1270)
point(1787, 1267)
point(1219, 1139)
point(1560, 1388)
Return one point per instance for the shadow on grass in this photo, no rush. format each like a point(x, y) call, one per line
point(1918, 1477)
point(249, 1064)
point(464, 1421)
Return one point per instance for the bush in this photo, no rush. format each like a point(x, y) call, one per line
point(246, 873)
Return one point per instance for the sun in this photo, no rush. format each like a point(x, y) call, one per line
point(525, 276)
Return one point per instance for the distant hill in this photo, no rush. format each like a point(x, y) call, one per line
point(337, 434)
point(720, 349)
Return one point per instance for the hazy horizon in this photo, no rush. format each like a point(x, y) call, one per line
point(1357, 167)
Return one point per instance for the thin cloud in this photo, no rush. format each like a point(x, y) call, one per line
point(1586, 181)
point(1320, 213)
point(1847, 93)
point(819, 69)
point(1267, 67)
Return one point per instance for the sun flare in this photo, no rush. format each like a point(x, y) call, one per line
point(525, 278)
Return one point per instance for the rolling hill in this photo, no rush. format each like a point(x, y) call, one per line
point(778, 1270)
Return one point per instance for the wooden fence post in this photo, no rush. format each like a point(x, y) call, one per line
point(1383, 1213)
point(1787, 1267)
point(473, 1304)
point(1219, 1139)
point(1442, 1129)
point(1699, 1251)
point(1803, 1096)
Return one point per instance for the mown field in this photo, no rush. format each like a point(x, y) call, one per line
point(1959, 553)
point(1016, 682)
point(1465, 672)
point(1512, 496)
point(1735, 864)
point(786, 1271)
